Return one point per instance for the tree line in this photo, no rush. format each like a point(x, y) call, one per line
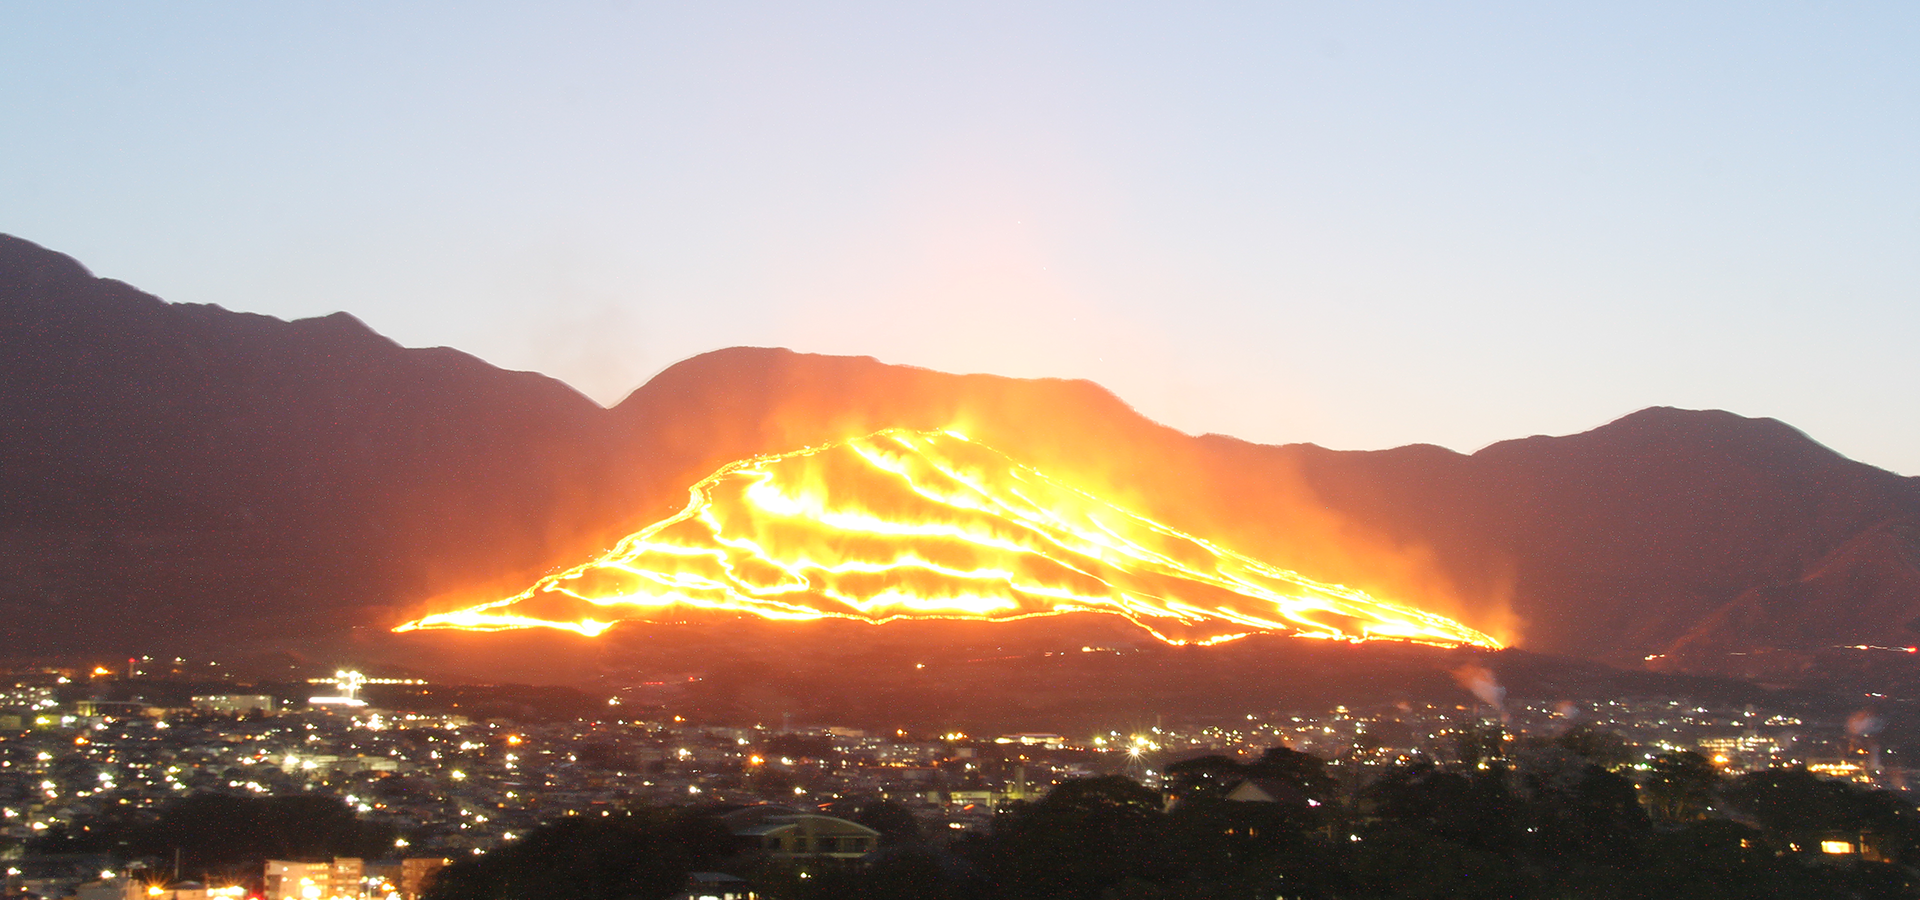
point(1549, 821)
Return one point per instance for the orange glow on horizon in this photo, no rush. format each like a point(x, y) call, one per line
point(931, 525)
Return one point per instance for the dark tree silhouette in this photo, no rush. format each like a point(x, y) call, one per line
point(643, 855)
point(1798, 809)
point(1473, 809)
point(1479, 743)
point(1204, 777)
point(222, 833)
point(1304, 771)
point(895, 822)
point(1083, 837)
point(228, 835)
point(1227, 848)
point(1680, 787)
point(1597, 745)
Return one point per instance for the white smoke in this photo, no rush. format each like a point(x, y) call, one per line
point(1479, 680)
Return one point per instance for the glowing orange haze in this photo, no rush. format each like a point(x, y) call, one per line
point(930, 525)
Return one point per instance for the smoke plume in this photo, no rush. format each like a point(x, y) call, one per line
point(1479, 680)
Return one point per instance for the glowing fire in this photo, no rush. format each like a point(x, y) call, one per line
point(930, 525)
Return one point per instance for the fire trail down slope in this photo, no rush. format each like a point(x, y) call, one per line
point(906, 525)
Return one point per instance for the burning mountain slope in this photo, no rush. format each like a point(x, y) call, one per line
point(930, 525)
point(1610, 544)
point(175, 476)
point(704, 412)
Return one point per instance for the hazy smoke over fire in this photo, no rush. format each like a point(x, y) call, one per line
point(930, 525)
point(1479, 680)
point(1865, 723)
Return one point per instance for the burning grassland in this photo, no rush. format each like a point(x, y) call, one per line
point(931, 525)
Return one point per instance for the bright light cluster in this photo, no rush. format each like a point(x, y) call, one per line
point(930, 525)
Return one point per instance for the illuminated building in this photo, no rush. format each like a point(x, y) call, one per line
point(289, 880)
point(29, 696)
point(235, 703)
point(791, 834)
point(1745, 753)
point(349, 682)
point(111, 889)
point(193, 890)
point(1049, 741)
point(1269, 790)
point(1841, 769)
point(408, 877)
point(117, 708)
point(716, 886)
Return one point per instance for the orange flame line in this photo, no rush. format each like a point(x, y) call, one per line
point(726, 551)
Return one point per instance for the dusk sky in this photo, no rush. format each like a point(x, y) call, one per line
point(1356, 224)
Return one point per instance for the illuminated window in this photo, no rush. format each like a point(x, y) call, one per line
point(1836, 847)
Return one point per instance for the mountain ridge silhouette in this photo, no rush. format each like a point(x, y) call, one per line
point(183, 476)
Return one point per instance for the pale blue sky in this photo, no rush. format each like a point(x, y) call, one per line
point(1360, 225)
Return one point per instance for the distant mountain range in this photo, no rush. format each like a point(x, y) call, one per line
point(178, 477)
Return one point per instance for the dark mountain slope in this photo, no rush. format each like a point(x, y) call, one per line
point(1614, 542)
point(180, 469)
point(1638, 529)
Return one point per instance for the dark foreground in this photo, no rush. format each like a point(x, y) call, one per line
point(1554, 824)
